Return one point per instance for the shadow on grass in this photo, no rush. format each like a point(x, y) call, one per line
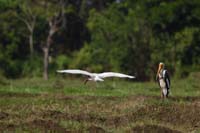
point(153, 129)
point(185, 99)
point(13, 94)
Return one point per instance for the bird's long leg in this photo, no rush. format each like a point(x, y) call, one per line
point(85, 81)
point(167, 93)
point(162, 95)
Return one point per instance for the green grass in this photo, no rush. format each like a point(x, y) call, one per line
point(60, 105)
point(186, 87)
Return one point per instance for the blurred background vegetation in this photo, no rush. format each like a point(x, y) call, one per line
point(37, 37)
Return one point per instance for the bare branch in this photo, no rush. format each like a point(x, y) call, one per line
point(26, 22)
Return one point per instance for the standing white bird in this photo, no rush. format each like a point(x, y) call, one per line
point(163, 80)
point(95, 76)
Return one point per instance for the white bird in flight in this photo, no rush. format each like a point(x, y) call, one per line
point(95, 76)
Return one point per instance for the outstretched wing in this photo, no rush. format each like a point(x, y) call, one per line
point(113, 74)
point(74, 71)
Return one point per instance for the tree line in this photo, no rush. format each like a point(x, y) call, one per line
point(131, 36)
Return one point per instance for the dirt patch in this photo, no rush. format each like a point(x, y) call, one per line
point(131, 109)
point(113, 112)
point(185, 99)
point(9, 94)
point(7, 127)
point(172, 98)
point(95, 129)
point(3, 115)
point(46, 125)
point(176, 114)
point(86, 98)
point(173, 113)
point(152, 129)
point(53, 114)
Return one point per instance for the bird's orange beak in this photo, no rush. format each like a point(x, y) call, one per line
point(159, 69)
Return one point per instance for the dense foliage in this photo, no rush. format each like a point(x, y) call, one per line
point(129, 36)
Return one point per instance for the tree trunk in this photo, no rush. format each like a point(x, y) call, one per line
point(46, 63)
point(54, 27)
point(30, 24)
point(31, 44)
point(46, 56)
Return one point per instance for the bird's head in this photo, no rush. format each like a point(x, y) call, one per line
point(160, 67)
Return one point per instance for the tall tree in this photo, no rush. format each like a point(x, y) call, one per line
point(55, 22)
point(27, 14)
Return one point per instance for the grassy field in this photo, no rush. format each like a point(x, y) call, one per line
point(67, 105)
